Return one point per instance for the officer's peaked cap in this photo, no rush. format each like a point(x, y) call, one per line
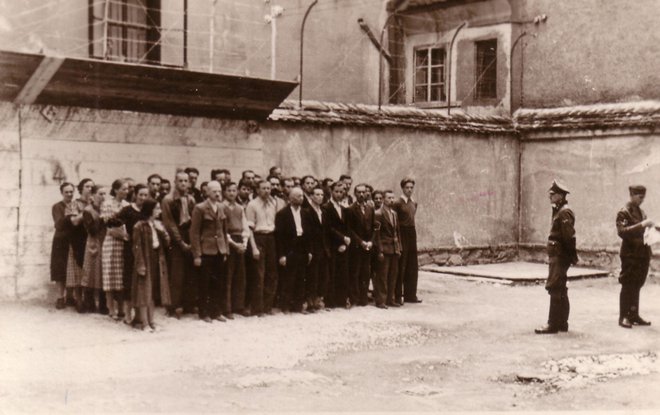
point(558, 187)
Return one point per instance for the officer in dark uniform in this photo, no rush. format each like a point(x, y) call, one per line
point(635, 256)
point(561, 254)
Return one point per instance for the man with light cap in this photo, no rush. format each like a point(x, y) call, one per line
point(631, 222)
point(561, 254)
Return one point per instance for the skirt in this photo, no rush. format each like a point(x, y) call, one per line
point(113, 264)
point(74, 272)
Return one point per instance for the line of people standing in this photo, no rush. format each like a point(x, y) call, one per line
point(294, 244)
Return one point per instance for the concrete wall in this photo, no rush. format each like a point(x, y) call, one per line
point(598, 171)
point(10, 165)
point(105, 145)
point(590, 51)
point(463, 181)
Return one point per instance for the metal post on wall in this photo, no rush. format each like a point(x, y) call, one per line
point(185, 34)
point(302, 34)
point(451, 48)
point(380, 60)
point(275, 12)
point(212, 35)
point(513, 47)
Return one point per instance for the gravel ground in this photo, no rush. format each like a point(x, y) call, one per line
point(469, 346)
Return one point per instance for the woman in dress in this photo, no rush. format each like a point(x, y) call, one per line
point(61, 242)
point(113, 247)
point(150, 240)
point(92, 280)
point(77, 239)
point(129, 216)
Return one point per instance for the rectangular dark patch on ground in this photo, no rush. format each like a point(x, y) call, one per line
point(512, 272)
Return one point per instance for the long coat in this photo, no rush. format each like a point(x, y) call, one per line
point(60, 249)
point(143, 272)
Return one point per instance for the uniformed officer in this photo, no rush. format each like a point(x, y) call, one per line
point(635, 256)
point(561, 254)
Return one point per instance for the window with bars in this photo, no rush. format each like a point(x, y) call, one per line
point(429, 82)
point(130, 29)
point(486, 69)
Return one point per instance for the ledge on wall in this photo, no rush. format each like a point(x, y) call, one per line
point(331, 113)
point(640, 114)
point(46, 80)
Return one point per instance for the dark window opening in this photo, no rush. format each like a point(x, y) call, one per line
point(486, 74)
point(429, 78)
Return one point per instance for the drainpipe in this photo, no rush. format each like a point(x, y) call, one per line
point(302, 34)
point(513, 47)
point(451, 47)
point(380, 60)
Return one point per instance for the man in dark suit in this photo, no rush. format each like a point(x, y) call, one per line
point(177, 208)
point(208, 239)
point(292, 244)
point(335, 213)
point(360, 217)
point(319, 237)
point(631, 222)
point(388, 243)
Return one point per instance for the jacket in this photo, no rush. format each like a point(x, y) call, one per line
point(208, 230)
point(286, 242)
point(389, 237)
point(630, 230)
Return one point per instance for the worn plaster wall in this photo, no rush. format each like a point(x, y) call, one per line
point(71, 144)
point(9, 204)
point(465, 183)
point(590, 51)
point(598, 171)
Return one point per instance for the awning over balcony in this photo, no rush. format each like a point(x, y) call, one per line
point(42, 80)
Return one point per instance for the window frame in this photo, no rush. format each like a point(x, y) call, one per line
point(151, 30)
point(429, 67)
point(485, 77)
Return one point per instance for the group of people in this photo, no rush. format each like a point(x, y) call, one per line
point(296, 244)
point(635, 254)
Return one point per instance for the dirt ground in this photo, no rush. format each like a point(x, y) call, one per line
point(468, 346)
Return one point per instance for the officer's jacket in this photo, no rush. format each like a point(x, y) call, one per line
point(631, 231)
point(561, 242)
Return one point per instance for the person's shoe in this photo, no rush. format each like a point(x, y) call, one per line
point(625, 323)
point(60, 304)
point(414, 300)
point(103, 309)
point(221, 319)
point(563, 328)
point(229, 316)
point(638, 321)
point(547, 329)
point(207, 320)
point(70, 302)
point(383, 306)
point(393, 304)
point(271, 313)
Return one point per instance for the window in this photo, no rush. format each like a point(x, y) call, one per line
point(133, 28)
point(486, 74)
point(429, 75)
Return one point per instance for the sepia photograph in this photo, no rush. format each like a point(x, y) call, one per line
point(330, 206)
